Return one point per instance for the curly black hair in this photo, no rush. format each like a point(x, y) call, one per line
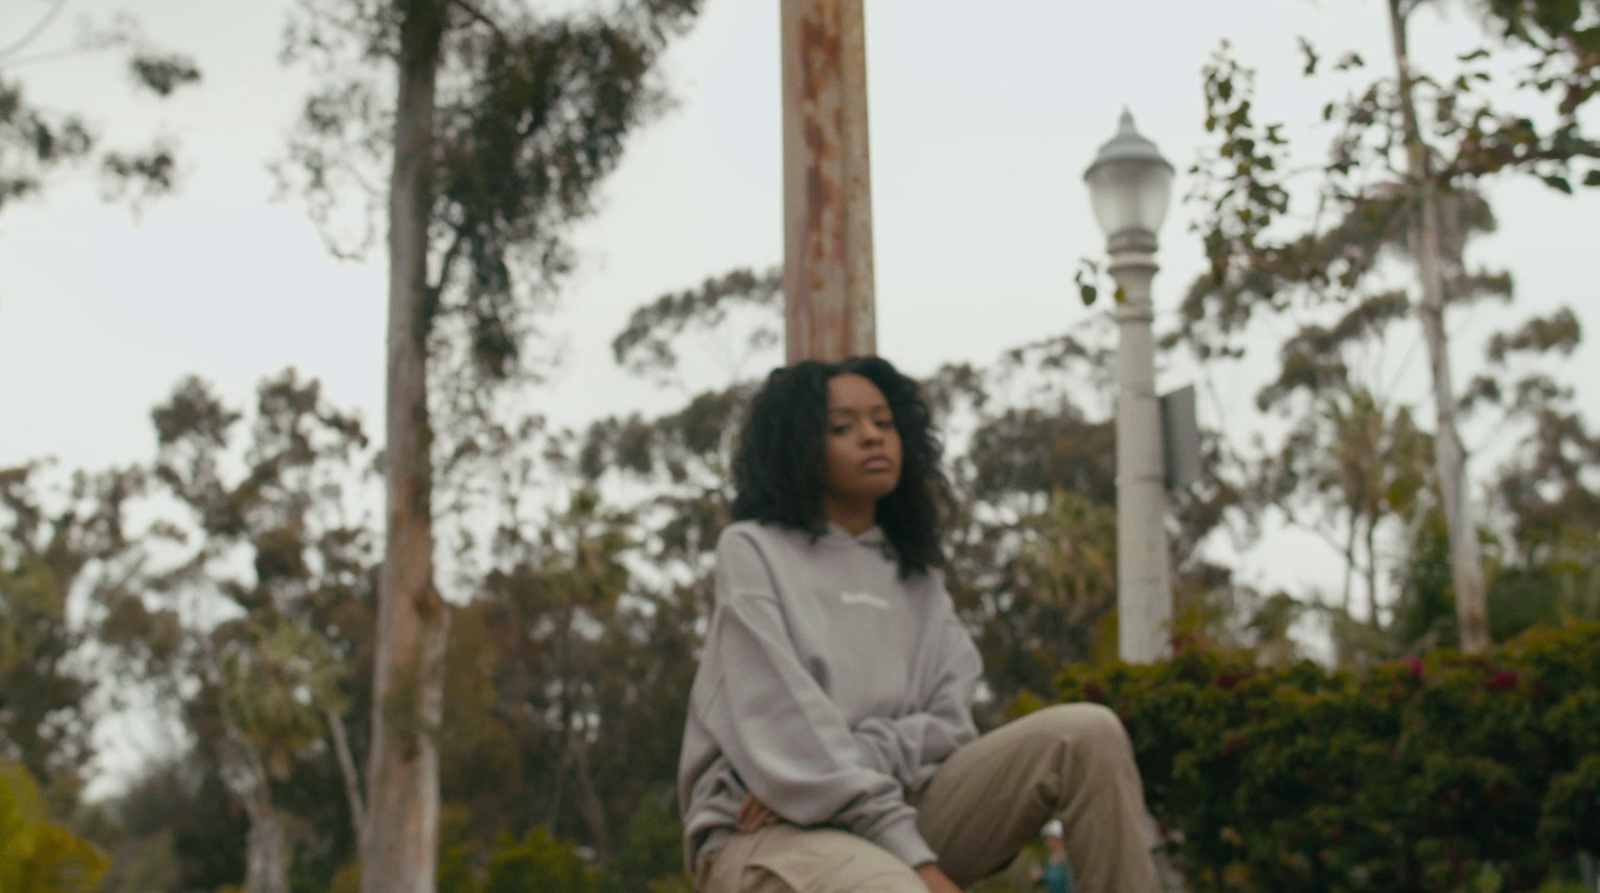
point(780, 463)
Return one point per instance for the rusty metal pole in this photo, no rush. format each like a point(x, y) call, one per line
point(827, 184)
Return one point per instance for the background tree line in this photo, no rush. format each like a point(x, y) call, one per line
point(233, 583)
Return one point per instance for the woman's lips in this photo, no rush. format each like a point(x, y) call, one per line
point(877, 464)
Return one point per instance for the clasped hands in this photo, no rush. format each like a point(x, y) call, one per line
point(755, 815)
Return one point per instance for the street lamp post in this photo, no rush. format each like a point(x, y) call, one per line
point(1130, 186)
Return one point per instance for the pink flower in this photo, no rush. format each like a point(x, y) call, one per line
point(1501, 680)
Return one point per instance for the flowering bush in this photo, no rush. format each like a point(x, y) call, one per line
point(1443, 773)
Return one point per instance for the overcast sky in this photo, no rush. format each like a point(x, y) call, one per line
point(981, 125)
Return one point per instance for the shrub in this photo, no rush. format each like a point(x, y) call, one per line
point(536, 863)
point(651, 855)
point(539, 863)
point(37, 855)
point(1415, 775)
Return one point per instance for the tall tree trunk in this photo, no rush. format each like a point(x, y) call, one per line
point(589, 803)
point(1466, 561)
point(266, 850)
point(403, 769)
point(1346, 604)
point(1373, 620)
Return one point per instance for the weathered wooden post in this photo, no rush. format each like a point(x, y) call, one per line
point(827, 184)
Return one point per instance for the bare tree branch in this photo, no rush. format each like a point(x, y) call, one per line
point(34, 32)
point(481, 17)
point(352, 780)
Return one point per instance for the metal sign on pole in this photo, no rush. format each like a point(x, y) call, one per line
point(827, 185)
point(1180, 438)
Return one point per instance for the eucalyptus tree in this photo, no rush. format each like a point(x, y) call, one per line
point(1409, 154)
point(258, 672)
point(492, 125)
point(1453, 137)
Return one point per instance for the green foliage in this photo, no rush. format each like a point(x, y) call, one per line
point(37, 855)
point(1047, 597)
point(539, 863)
point(532, 112)
point(1355, 467)
point(1424, 616)
point(1520, 598)
point(46, 140)
point(1566, 35)
point(348, 878)
point(645, 346)
point(1018, 877)
point(35, 683)
point(651, 856)
point(176, 827)
point(1415, 775)
point(148, 864)
point(57, 538)
point(274, 683)
point(536, 863)
point(1553, 499)
point(260, 689)
point(38, 142)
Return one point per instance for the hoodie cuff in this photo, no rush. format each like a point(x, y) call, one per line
point(904, 841)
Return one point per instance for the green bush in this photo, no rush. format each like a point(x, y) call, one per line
point(538, 863)
point(1444, 773)
point(36, 854)
point(651, 855)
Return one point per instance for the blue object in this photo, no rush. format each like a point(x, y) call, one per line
point(1056, 877)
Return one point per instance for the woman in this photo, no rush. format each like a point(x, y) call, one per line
point(830, 743)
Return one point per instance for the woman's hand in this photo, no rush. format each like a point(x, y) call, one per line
point(755, 815)
point(935, 880)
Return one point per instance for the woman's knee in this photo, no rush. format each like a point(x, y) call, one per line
point(1093, 725)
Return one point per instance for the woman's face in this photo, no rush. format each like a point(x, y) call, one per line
point(862, 446)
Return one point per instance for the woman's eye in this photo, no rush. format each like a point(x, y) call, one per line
point(885, 424)
point(840, 429)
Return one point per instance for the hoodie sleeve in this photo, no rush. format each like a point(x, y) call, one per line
point(777, 727)
point(911, 747)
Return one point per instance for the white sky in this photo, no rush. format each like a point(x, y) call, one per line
point(981, 126)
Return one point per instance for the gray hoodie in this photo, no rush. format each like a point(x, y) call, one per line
point(829, 688)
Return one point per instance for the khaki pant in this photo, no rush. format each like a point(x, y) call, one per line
point(985, 804)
